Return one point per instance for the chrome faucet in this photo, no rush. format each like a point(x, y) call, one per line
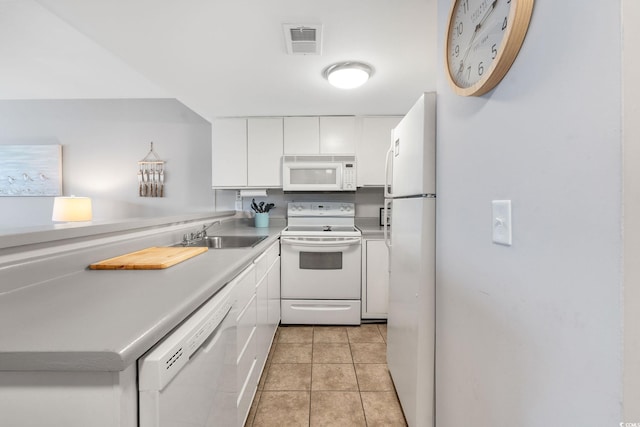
point(203, 233)
point(199, 235)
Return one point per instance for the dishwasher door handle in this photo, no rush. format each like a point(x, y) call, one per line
point(212, 339)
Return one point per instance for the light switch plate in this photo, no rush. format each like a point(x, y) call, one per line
point(501, 224)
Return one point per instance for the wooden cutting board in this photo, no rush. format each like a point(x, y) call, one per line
point(153, 258)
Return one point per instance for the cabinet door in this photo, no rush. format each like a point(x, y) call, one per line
point(301, 135)
point(229, 153)
point(263, 342)
point(274, 295)
point(376, 283)
point(264, 152)
point(337, 135)
point(371, 149)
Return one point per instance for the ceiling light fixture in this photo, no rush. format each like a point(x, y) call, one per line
point(348, 75)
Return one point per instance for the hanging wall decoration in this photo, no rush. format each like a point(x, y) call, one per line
point(151, 175)
point(30, 170)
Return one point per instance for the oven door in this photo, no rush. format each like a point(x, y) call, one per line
point(321, 267)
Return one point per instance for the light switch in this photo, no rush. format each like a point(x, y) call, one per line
point(501, 225)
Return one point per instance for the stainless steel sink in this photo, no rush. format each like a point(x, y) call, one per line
point(226, 242)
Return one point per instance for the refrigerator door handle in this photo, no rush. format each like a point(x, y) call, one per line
point(387, 187)
point(387, 235)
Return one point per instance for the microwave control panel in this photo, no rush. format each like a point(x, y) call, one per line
point(349, 178)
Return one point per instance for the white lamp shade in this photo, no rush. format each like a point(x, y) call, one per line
point(71, 209)
point(348, 75)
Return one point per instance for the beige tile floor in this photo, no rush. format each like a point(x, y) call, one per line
point(327, 376)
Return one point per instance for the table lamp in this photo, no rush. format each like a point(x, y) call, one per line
point(71, 209)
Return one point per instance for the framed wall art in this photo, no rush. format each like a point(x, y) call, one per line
point(30, 170)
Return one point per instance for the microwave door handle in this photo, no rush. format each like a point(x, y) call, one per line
point(387, 185)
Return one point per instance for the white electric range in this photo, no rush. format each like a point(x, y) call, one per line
point(321, 264)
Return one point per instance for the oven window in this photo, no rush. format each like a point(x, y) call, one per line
point(313, 176)
point(320, 260)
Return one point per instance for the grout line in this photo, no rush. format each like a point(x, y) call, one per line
point(313, 333)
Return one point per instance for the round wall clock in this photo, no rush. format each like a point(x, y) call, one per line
point(483, 40)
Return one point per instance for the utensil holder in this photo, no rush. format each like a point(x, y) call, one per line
point(262, 220)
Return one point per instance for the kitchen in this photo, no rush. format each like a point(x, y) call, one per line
point(520, 329)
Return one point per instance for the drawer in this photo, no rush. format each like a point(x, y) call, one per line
point(261, 264)
point(320, 312)
point(244, 284)
point(246, 323)
point(273, 252)
point(246, 358)
point(246, 394)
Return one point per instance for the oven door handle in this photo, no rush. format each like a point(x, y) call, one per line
point(319, 245)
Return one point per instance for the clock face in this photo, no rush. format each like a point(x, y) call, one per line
point(477, 31)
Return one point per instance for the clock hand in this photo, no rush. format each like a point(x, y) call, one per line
point(486, 15)
point(479, 26)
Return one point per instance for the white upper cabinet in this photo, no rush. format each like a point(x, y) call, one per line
point(337, 135)
point(371, 148)
point(265, 148)
point(247, 152)
point(301, 135)
point(229, 153)
point(319, 135)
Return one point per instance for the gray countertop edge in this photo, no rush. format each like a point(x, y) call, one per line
point(54, 233)
point(121, 353)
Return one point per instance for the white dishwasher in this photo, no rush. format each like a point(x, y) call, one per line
point(188, 378)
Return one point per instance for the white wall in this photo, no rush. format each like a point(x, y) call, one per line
point(43, 57)
point(102, 141)
point(530, 335)
point(631, 126)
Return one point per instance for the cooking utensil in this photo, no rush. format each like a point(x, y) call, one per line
point(268, 207)
point(260, 206)
point(254, 206)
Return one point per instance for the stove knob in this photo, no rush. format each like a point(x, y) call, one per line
point(348, 208)
point(342, 208)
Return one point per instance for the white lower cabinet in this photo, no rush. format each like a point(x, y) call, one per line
point(110, 399)
point(375, 279)
point(267, 289)
point(73, 399)
point(257, 322)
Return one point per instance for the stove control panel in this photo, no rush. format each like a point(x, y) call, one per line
point(315, 209)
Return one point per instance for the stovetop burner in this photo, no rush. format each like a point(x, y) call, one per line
point(321, 219)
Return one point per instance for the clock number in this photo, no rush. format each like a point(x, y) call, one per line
point(494, 52)
point(468, 72)
point(480, 68)
point(504, 23)
point(465, 6)
point(459, 29)
point(456, 50)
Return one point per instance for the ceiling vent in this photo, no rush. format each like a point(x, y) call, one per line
point(303, 39)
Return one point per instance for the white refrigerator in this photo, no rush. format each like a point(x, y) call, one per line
point(411, 241)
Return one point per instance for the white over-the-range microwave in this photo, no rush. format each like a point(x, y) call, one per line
point(319, 173)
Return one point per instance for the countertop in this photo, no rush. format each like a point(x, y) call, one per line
point(370, 228)
point(98, 320)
